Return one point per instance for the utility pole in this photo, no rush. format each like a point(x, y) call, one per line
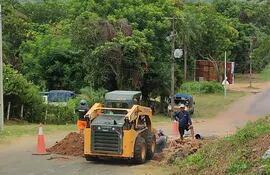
point(175, 53)
point(172, 65)
point(1, 77)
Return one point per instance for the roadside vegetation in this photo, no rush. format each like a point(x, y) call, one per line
point(237, 154)
point(265, 74)
point(209, 105)
point(260, 77)
point(121, 44)
point(209, 97)
point(203, 87)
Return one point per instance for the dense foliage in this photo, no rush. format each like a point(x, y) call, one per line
point(18, 91)
point(122, 44)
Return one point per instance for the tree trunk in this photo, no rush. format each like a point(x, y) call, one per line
point(8, 110)
point(22, 112)
point(185, 62)
point(162, 100)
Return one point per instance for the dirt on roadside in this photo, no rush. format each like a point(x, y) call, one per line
point(257, 148)
point(71, 145)
point(178, 149)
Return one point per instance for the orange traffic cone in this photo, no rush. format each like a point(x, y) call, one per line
point(175, 128)
point(41, 150)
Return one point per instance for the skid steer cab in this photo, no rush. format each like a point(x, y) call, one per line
point(117, 132)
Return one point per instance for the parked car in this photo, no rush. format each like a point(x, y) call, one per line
point(57, 97)
point(185, 99)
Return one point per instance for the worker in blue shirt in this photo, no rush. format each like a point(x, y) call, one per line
point(184, 120)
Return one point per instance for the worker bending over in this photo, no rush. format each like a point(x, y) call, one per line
point(184, 120)
point(161, 141)
point(82, 109)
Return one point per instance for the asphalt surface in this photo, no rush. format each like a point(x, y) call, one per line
point(261, 106)
point(246, 109)
point(239, 113)
point(17, 158)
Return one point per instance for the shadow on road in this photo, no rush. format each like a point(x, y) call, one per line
point(114, 162)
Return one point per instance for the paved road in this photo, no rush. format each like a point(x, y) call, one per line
point(261, 105)
point(17, 158)
point(248, 108)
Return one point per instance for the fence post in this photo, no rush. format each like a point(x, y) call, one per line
point(22, 112)
point(46, 113)
point(8, 110)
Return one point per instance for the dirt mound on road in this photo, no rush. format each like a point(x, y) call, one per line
point(177, 149)
point(71, 145)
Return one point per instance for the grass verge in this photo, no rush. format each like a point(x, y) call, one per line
point(13, 131)
point(265, 74)
point(237, 154)
point(159, 118)
point(209, 105)
point(261, 77)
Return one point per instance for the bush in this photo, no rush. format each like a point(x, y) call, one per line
point(91, 95)
point(204, 87)
point(60, 115)
point(19, 91)
point(66, 114)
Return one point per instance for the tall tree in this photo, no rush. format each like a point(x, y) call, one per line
point(188, 31)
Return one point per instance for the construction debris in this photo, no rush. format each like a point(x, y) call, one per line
point(266, 155)
point(71, 145)
point(178, 149)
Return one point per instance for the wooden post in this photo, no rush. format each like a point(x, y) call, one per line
point(46, 114)
point(22, 112)
point(8, 110)
point(194, 73)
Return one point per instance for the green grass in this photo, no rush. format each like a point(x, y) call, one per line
point(13, 131)
point(265, 74)
point(209, 105)
point(231, 155)
point(161, 118)
point(261, 77)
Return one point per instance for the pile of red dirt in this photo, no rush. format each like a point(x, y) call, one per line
point(71, 145)
point(178, 149)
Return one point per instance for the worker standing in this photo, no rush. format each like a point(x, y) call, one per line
point(82, 109)
point(183, 117)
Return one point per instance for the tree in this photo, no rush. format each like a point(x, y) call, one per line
point(188, 31)
point(19, 91)
point(45, 12)
point(125, 58)
point(15, 26)
point(218, 35)
point(50, 62)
